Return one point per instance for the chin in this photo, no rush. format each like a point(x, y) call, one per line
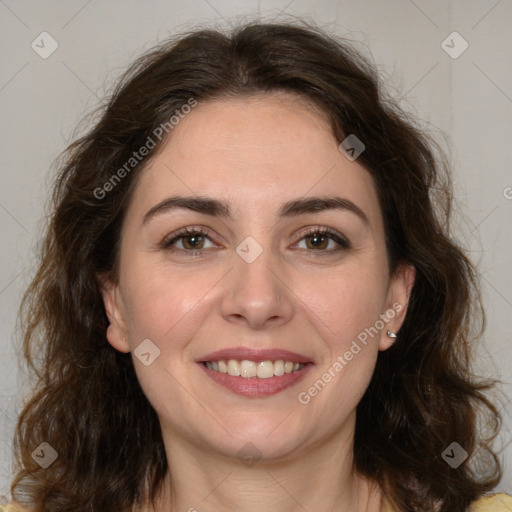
point(259, 440)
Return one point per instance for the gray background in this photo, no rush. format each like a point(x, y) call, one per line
point(468, 98)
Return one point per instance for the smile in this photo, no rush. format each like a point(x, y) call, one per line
point(258, 369)
point(253, 379)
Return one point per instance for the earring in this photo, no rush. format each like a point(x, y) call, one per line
point(391, 334)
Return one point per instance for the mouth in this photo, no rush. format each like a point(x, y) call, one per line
point(258, 369)
point(255, 373)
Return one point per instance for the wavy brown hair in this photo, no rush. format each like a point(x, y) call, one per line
point(87, 403)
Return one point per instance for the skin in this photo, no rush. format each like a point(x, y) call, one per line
point(255, 154)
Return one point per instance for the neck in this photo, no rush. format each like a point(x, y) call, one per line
point(321, 478)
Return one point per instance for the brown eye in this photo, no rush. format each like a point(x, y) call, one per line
point(323, 240)
point(317, 241)
point(189, 241)
point(195, 241)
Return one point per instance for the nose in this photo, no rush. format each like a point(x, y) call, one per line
point(257, 294)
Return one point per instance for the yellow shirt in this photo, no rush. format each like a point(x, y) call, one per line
point(494, 503)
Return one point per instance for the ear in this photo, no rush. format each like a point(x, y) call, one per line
point(116, 331)
point(396, 304)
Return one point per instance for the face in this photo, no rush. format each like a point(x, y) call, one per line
point(251, 243)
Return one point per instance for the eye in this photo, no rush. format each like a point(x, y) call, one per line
point(193, 241)
point(188, 240)
point(323, 240)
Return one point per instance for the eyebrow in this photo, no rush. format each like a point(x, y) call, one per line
point(218, 208)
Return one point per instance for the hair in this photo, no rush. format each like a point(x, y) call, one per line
point(87, 402)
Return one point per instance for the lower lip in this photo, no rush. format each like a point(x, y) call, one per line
point(254, 386)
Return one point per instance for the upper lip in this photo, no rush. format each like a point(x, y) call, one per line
point(254, 354)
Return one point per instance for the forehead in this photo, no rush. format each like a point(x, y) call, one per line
point(257, 153)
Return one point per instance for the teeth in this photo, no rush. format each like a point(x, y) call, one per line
point(260, 369)
point(233, 368)
point(279, 368)
point(247, 368)
point(265, 369)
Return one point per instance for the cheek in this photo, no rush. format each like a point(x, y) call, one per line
point(162, 306)
point(346, 305)
point(345, 317)
point(167, 309)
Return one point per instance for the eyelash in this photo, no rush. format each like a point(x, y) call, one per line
point(327, 232)
point(319, 231)
point(171, 239)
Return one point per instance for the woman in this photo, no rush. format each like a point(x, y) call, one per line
point(247, 301)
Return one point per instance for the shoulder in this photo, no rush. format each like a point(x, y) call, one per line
point(12, 508)
point(494, 503)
